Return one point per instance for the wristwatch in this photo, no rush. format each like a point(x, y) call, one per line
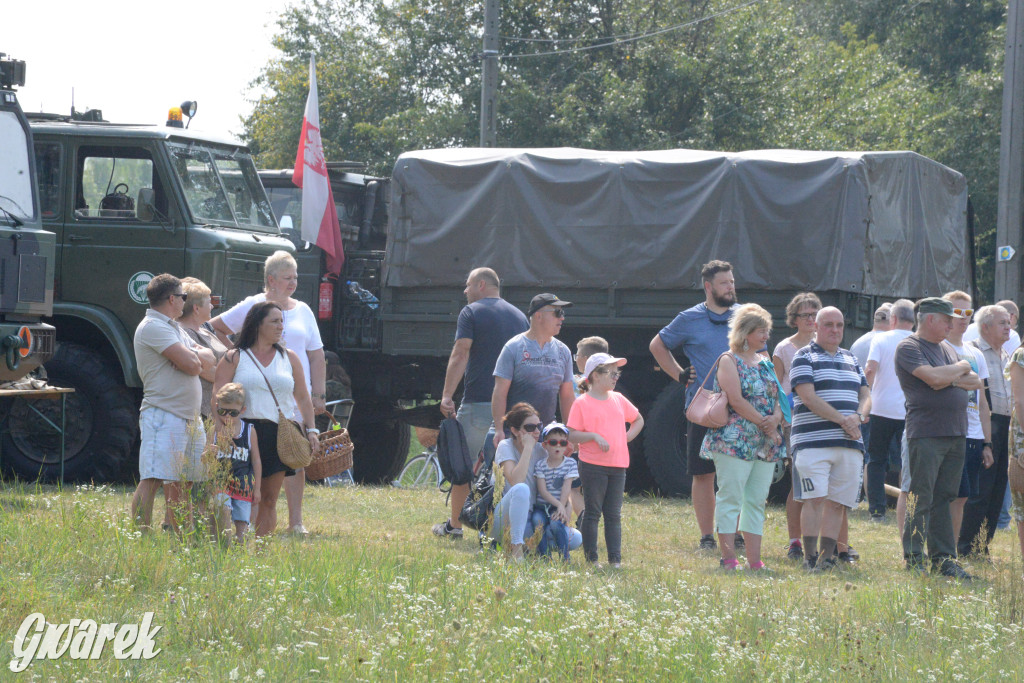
point(312, 430)
point(987, 444)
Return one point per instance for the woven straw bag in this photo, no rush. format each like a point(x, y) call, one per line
point(334, 455)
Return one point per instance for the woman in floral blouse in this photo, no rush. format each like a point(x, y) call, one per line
point(745, 449)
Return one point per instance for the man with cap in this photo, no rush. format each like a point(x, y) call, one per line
point(702, 332)
point(534, 367)
point(485, 324)
point(935, 383)
point(860, 348)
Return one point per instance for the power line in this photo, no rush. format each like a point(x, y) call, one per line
point(629, 39)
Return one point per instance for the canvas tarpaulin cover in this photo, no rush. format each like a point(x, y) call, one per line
point(880, 223)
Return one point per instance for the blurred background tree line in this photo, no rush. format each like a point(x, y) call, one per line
point(730, 75)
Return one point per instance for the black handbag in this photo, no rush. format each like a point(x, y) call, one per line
point(476, 512)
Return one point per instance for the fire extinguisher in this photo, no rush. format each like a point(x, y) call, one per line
point(326, 307)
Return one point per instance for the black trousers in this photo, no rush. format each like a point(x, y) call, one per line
point(983, 510)
point(602, 496)
point(883, 431)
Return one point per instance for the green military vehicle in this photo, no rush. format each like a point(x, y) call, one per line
point(127, 202)
point(26, 249)
point(623, 235)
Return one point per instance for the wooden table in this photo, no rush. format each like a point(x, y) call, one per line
point(32, 395)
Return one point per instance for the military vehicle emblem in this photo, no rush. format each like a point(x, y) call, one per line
point(137, 286)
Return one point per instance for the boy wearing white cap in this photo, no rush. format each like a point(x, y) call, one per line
point(597, 422)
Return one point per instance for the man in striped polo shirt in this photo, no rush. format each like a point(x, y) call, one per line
point(832, 401)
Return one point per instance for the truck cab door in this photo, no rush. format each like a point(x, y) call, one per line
point(120, 229)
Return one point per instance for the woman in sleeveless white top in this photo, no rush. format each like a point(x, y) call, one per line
point(302, 335)
point(259, 358)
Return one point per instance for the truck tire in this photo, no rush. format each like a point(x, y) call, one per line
point(101, 423)
point(665, 441)
point(380, 447)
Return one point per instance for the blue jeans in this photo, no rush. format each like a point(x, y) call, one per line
point(556, 534)
point(513, 513)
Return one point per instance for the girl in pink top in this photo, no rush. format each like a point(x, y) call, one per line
point(597, 422)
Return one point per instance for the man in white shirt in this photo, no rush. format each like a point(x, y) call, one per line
point(1011, 344)
point(982, 511)
point(888, 411)
point(861, 347)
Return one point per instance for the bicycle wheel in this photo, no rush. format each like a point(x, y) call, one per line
point(420, 472)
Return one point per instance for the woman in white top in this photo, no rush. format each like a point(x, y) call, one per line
point(801, 314)
point(259, 358)
point(302, 335)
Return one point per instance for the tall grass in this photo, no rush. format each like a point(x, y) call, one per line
point(373, 595)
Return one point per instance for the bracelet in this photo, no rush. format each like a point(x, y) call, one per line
point(312, 430)
point(953, 383)
point(319, 395)
point(987, 444)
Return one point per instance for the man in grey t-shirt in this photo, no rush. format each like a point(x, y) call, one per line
point(935, 384)
point(534, 367)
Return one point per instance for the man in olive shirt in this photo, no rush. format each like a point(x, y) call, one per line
point(935, 384)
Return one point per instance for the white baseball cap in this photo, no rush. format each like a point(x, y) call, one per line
point(599, 359)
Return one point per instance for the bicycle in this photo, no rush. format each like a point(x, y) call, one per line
point(422, 471)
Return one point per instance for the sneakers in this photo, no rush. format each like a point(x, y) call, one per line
point(951, 569)
point(848, 556)
point(823, 565)
point(738, 543)
point(915, 565)
point(445, 529)
point(707, 542)
point(878, 517)
point(795, 551)
point(298, 530)
point(810, 561)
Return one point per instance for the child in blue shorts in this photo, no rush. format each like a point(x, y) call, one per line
point(238, 457)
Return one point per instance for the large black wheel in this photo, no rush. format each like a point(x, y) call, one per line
point(665, 441)
point(101, 423)
point(380, 442)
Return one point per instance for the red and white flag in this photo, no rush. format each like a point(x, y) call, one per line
point(319, 216)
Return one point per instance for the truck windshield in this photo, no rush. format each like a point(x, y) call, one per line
point(221, 186)
point(15, 174)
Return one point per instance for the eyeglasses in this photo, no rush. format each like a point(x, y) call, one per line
point(614, 374)
point(965, 312)
point(532, 427)
point(558, 442)
point(224, 412)
point(807, 316)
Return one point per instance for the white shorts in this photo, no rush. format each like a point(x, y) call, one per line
point(833, 473)
point(171, 448)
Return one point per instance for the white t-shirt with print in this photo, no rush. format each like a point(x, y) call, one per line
point(973, 356)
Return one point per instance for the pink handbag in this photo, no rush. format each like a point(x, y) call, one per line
point(709, 408)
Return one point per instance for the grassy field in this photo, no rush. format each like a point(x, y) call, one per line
point(371, 595)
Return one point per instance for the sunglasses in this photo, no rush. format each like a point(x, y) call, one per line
point(224, 412)
point(965, 312)
point(183, 295)
point(532, 428)
point(716, 322)
point(558, 313)
point(558, 442)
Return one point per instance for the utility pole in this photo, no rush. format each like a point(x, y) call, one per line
point(489, 76)
point(1011, 158)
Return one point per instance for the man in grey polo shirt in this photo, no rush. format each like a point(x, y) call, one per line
point(172, 434)
point(935, 383)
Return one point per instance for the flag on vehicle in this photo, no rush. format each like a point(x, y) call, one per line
point(319, 216)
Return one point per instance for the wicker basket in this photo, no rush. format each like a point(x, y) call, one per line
point(334, 455)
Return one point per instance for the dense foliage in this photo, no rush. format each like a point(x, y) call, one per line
point(396, 75)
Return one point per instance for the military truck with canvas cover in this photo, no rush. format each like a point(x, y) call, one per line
point(623, 235)
point(26, 249)
point(128, 202)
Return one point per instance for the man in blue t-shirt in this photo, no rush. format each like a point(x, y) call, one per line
point(702, 332)
point(485, 324)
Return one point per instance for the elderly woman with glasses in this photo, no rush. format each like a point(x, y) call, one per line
point(746, 448)
point(194, 314)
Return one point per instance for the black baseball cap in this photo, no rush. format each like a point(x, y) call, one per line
point(547, 299)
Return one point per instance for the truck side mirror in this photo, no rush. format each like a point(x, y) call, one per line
point(146, 206)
